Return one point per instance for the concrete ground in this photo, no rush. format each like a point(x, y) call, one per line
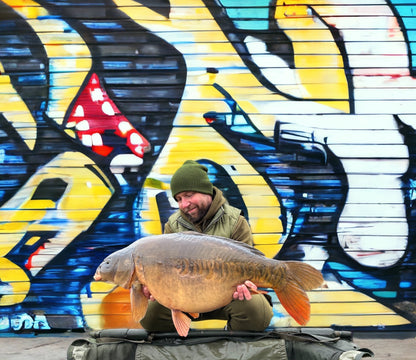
point(400, 345)
point(385, 345)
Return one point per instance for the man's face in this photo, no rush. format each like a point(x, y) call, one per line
point(195, 205)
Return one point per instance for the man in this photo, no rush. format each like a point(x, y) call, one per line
point(203, 208)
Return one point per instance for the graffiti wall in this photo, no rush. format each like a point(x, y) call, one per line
point(304, 113)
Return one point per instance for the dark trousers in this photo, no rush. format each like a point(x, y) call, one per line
point(241, 315)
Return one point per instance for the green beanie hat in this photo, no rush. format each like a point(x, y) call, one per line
point(191, 176)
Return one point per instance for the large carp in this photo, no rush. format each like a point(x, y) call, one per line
point(197, 273)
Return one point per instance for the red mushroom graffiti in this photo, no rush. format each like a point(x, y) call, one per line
point(96, 119)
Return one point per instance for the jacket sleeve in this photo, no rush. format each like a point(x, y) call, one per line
point(167, 229)
point(242, 231)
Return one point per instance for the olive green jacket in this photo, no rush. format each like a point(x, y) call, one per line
point(221, 219)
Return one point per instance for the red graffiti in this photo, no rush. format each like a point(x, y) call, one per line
point(97, 119)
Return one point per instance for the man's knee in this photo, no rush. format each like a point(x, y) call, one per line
point(251, 315)
point(157, 318)
point(260, 314)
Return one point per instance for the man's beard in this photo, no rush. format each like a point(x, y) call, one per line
point(196, 216)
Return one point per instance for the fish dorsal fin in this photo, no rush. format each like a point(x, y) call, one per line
point(182, 322)
point(236, 242)
point(138, 301)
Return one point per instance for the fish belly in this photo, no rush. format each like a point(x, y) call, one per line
point(190, 293)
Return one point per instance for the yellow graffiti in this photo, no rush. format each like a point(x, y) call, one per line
point(318, 73)
point(200, 97)
point(85, 193)
point(69, 58)
point(349, 308)
point(15, 111)
point(185, 142)
point(318, 61)
point(108, 307)
point(18, 283)
point(323, 74)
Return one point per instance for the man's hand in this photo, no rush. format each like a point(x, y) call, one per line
point(147, 293)
point(243, 291)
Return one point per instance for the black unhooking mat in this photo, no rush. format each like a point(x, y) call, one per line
point(278, 344)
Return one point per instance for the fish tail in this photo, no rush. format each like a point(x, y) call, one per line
point(299, 278)
point(306, 275)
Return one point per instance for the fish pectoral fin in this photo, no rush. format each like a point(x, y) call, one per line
point(257, 291)
point(252, 288)
point(182, 322)
point(138, 301)
point(194, 315)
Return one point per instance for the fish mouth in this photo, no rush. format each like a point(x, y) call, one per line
point(97, 277)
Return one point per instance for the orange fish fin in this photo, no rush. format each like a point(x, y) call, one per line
point(306, 275)
point(194, 315)
point(182, 322)
point(301, 277)
point(138, 301)
point(295, 301)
